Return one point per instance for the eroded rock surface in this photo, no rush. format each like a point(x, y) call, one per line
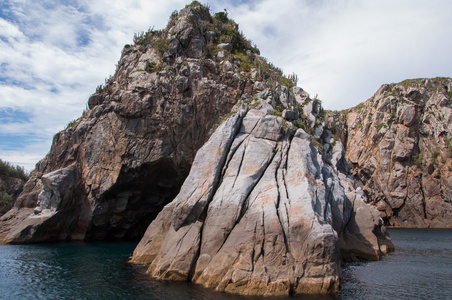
point(128, 155)
point(399, 144)
point(263, 213)
point(269, 206)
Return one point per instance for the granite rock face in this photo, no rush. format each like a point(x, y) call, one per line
point(262, 212)
point(111, 171)
point(263, 204)
point(399, 145)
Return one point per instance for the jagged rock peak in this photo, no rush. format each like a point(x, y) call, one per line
point(193, 33)
point(128, 154)
point(267, 205)
point(399, 144)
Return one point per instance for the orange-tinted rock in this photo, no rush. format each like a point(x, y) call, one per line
point(399, 144)
point(273, 218)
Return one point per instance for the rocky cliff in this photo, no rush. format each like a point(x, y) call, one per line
point(267, 206)
point(399, 145)
point(262, 212)
point(111, 171)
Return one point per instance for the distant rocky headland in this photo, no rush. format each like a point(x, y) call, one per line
point(231, 175)
point(399, 145)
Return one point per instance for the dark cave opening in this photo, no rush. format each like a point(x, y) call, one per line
point(127, 209)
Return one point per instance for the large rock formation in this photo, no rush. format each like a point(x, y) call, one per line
point(262, 212)
point(269, 206)
point(110, 172)
point(399, 144)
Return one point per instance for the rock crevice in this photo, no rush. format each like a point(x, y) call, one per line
point(135, 144)
point(234, 178)
point(399, 146)
point(271, 226)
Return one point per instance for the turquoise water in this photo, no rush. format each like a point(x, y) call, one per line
point(421, 268)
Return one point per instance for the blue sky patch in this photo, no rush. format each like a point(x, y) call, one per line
point(9, 115)
point(83, 39)
point(5, 11)
point(9, 142)
point(12, 82)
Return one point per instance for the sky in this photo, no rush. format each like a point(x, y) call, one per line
point(53, 54)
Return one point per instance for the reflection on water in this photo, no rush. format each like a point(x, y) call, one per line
point(420, 268)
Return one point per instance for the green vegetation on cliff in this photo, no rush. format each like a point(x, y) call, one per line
point(7, 169)
point(219, 34)
point(12, 179)
point(5, 199)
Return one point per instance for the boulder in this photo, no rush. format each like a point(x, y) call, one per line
point(290, 115)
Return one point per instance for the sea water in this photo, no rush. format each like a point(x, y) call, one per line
point(420, 268)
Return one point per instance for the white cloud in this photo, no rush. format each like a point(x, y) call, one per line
point(53, 55)
point(8, 30)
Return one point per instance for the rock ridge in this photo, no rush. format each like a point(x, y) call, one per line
point(128, 155)
point(226, 170)
point(399, 145)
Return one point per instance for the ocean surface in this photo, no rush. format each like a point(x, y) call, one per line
point(421, 268)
